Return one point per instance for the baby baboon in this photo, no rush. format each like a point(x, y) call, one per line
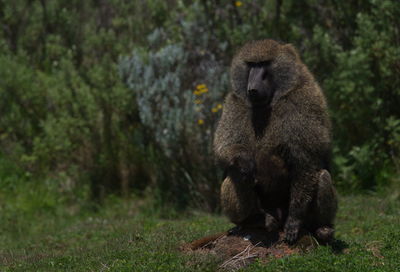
point(273, 141)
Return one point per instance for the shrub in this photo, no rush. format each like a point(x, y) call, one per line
point(179, 94)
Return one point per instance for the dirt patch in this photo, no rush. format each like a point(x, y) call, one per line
point(241, 248)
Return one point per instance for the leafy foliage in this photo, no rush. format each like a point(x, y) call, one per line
point(109, 96)
point(64, 109)
point(177, 104)
point(364, 93)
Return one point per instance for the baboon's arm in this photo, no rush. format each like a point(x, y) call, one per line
point(234, 134)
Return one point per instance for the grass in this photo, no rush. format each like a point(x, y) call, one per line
point(128, 236)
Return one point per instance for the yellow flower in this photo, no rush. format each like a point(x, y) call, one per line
point(198, 101)
point(200, 121)
point(201, 86)
point(217, 108)
point(200, 89)
point(238, 3)
point(204, 90)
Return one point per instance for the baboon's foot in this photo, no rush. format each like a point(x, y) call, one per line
point(271, 224)
point(255, 221)
point(325, 235)
point(235, 230)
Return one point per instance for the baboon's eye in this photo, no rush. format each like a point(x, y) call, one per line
point(259, 64)
point(263, 65)
point(251, 64)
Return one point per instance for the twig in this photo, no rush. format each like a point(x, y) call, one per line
point(240, 257)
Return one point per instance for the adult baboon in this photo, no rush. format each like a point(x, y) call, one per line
point(273, 140)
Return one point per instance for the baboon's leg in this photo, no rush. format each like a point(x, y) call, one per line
point(275, 218)
point(271, 223)
point(324, 208)
point(239, 201)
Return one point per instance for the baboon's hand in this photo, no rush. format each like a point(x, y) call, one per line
point(292, 228)
point(271, 224)
point(245, 163)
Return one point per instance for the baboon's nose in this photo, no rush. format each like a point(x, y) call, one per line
point(252, 92)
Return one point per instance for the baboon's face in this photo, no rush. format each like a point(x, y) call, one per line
point(264, 70)
point(260, 86)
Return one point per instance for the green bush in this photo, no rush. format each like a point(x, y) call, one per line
point(64, 111)
point(179, 91)
point(78, 111)
point(363, 90)
point(354, 54)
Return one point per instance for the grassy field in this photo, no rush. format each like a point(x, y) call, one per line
point(127, 236)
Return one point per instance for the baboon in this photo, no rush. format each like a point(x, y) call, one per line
point(274, 142)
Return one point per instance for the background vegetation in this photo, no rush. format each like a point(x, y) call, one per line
point(107, 98)
point(95, 101)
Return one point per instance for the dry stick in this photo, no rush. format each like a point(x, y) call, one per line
point(239, 257)
point(236, 259)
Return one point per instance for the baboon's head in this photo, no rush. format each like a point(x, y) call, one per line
point(264, 70)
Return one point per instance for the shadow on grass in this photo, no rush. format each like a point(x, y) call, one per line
point(338, 246)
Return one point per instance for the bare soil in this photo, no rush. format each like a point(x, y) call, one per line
point(241, 248)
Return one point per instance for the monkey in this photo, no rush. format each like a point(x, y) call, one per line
point(273, 141)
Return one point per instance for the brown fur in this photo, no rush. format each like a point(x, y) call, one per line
point(277, 156)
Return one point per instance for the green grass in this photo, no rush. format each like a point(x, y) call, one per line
point(128, 236)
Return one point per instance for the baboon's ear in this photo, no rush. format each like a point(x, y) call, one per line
point(291, 51)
